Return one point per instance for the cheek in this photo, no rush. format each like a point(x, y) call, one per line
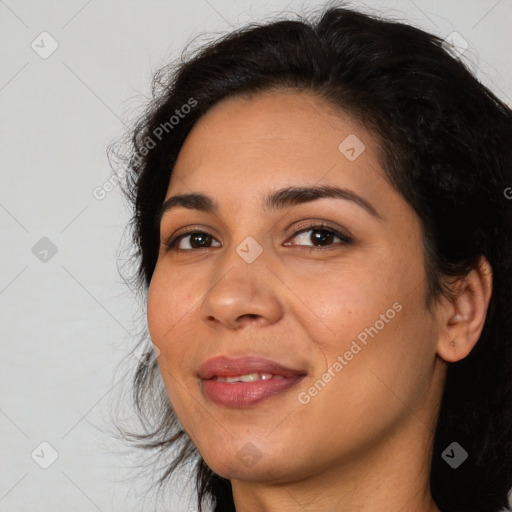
point(163, 314)
point(375, 319)
point(167, 303)
point(336, 306)
point(155, 308)
point(171, 306)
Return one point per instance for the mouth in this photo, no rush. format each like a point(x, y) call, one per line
point(248, 377)
point(243, 382)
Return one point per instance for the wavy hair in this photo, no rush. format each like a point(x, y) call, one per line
point(445, 144)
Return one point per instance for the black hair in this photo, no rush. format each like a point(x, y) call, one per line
point(445, 144)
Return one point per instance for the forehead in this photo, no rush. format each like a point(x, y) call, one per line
point(279, 138)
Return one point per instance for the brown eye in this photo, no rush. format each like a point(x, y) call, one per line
point(198, 240)
point(323, 235)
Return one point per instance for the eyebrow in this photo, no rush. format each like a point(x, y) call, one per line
point(278, 200)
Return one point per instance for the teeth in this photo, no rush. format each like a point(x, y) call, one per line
point(249, 377)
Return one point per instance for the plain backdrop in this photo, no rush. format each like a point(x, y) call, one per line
point(67, 318)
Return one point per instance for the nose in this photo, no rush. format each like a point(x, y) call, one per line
point(243, 294)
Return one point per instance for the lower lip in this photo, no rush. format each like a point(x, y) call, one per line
point(245, 394)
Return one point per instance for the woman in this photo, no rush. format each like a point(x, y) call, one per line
point(323, 233)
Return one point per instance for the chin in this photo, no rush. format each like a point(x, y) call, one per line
point(244, 463)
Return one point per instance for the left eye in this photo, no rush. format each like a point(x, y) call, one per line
point(324, 235)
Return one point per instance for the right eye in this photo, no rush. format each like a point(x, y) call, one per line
point(196, 237)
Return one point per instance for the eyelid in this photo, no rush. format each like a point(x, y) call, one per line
point(190, 230)
point(306, 225)
point(319, 224)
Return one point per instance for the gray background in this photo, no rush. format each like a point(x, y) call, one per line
point(68, 323)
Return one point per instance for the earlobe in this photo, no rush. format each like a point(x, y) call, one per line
point(464, 316)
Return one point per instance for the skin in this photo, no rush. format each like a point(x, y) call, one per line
point(363, 443)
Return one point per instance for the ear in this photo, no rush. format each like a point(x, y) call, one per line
point(463, 317)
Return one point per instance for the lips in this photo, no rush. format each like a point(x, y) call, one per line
point(223, 366)
point(278, 380)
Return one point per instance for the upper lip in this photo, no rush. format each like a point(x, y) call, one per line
point(234, 366)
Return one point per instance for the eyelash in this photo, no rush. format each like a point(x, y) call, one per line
point(345, 240)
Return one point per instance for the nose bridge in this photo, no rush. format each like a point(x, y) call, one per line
point(247, 235)
point(243, 263)
point(240, 288)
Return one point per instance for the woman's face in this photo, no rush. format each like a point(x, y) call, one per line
point(347, 313)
